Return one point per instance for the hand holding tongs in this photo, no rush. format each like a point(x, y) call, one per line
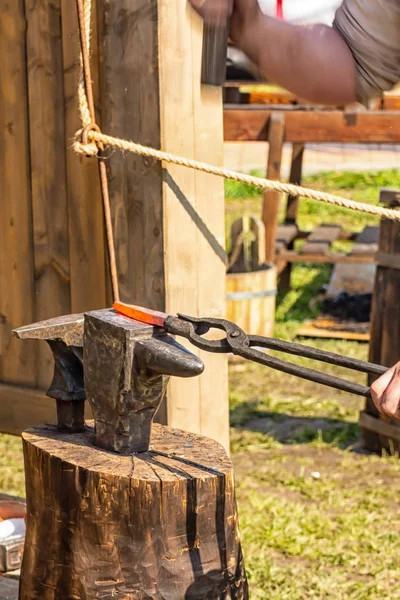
point(239, 343)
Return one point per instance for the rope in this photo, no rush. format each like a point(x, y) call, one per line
point(259, 182)
point(96, 140)
point(88, 116)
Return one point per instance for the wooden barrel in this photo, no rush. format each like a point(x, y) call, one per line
point(251, 300)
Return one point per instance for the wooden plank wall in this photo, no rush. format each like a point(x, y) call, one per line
point(169, 244)
point(52, 253)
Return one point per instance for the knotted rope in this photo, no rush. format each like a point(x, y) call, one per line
point(95, 140)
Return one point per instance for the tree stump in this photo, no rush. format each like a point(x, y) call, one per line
point(160, 524)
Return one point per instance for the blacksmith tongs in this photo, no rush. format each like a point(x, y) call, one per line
point(247, 346)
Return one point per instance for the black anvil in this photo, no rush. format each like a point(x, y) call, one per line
point(120, 365)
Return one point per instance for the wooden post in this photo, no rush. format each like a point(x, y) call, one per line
point(169, 221)
point(377, 431)
point(276, 138)
point(48, 149)
point(292, 208)
point(17, 300)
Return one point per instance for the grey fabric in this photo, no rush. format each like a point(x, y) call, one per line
point(371, 29)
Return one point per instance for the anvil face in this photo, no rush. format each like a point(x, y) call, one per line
point(68, 329)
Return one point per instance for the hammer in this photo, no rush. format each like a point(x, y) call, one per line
point(215, 50)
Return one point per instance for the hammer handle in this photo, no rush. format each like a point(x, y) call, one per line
point(215, 49)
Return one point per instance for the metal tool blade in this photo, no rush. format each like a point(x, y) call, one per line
point(144, 315)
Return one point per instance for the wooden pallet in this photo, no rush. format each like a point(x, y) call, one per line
point(317, 247)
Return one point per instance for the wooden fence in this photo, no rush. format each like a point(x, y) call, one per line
point(52, 244)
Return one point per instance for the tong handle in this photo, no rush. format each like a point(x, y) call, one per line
point(303, 372)
point(314, 353)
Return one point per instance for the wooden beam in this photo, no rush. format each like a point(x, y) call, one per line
point(169, 221)
point(86, 222)
point(17, 298)
point(292, 208)
point(295, 257)
point(379, 426)
point(271, 202)
point(247, 123)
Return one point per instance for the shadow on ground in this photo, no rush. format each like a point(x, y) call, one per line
point(287, 429)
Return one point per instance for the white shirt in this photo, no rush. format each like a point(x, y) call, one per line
point(303, 11)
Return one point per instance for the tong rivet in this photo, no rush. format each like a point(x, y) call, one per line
point(235, 334)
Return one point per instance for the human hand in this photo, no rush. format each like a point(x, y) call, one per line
point(213, 11)
point(243, 13)
point(385, 392)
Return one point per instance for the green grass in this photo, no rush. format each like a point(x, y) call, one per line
point(332, 537)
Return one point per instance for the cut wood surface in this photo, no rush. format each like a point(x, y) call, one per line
point(295, 257)
point(160, 524)
point(248, 123)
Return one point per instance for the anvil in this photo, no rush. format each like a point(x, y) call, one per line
point(120, 365)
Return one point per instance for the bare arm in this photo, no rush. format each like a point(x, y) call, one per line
point(356, 59)
point(313, 62)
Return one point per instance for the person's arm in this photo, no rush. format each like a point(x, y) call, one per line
point(313, 62)
point(356, 59)
point(386, 392)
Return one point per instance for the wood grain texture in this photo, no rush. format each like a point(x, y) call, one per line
point(254, 315)
point(157, 525)
point(385, 326)
point(48, 169)
point(170, 243)
point(129, 89)
point(86, 228)
point(276, 138)
point(210, 229)
point(17, 305)
point(21, 408)
point(243, 123)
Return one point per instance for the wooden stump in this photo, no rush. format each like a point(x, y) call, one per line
point(156, 525)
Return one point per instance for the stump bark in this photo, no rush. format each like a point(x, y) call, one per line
point(158, 525)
